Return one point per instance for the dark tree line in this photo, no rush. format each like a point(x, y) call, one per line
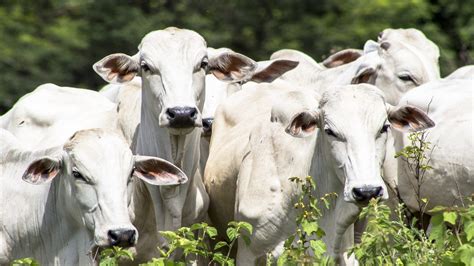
point(58, 40)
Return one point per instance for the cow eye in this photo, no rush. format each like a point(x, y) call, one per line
point(78, 175)
point(144, 66)
point(329, 132)
point(205, 63)
point(406, 78)
point(384, 129)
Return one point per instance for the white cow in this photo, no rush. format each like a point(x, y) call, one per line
point(172, 64)
point(450, 104)
point(38, 117)
point(465, 72)
point(342, 144)
point(60, 203)
point(401, 60)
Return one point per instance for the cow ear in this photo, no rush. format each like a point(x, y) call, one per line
point(158, 172)
point(365, 74)
point(43, 170)
point(409, 119)
point(231, 66)
point(117, 68)
point(342, 57)
point(268, 71)
point(303, 124)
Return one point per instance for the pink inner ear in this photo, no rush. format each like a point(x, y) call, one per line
point(111, 75)
point(218, 74)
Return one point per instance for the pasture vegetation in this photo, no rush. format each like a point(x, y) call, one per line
point(386, 241)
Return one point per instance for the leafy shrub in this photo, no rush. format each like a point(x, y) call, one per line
point(305, 246)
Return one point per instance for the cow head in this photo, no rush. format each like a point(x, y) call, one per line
point(401, 60)
point(217, 90)
point(353, 122)
point(172, 64)
point(94, 171)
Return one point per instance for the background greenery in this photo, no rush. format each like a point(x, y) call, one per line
point(58, 40)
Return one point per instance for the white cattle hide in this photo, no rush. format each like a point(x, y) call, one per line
point(342, 146)
point(60, 203)
point(50, 114)
point(450, 104)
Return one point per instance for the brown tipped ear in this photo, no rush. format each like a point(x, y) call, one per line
point(41, 171)
point(365, 74)
point(303, 124)
point(230, 66)
point(268, 71)
point(342, 57)
point(409, 119)
point(117, 68)
point(158, 172)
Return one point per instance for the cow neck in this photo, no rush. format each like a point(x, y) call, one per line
point(154, 140)
point(55, 228)
point(338, 220)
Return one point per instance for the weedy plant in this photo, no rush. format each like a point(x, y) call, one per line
point(418, 164)
point(194, 242)
point(111, 256)
point(394, 242)
point(305, 246)
point(25, 261)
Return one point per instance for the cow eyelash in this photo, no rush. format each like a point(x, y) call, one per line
point(78, 175)
point(204, 63)
point(329, 132)
point(406, 77)
point(144, 66)
point(384, 129)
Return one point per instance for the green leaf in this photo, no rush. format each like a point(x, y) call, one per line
point(211, 232)
point(466, 254)
point(450, 217)
point(309, 227)
point(438, 229)
point(318, 247)
point(231, 233)
point(248, 227)
point(220, 244)
point(469, 229)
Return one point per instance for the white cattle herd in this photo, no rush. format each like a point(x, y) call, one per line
point(185, 133)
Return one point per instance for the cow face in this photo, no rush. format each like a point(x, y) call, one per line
point(173, 63)
point(353, 122)
point(95, 168)
point(406, 59)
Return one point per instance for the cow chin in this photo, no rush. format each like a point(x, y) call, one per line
point(180, 131)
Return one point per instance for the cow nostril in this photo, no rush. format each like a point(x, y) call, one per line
point(170, 113)
point(193, 113)
point(120, 237)
point(207, 123)
point(362, 194)
point(114, 237)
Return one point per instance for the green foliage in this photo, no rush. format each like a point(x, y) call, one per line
point(194, 242)
point(111, 256)
point(25, 261)
point(417, 161)
point(305, 246)
point(58, 40)
point(392, 242)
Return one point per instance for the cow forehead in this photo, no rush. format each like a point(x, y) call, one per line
point(101, 149)
point(172, 41)
point(356, 103)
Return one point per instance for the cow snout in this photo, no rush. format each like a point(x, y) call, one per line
point(363, 194)
point(122, 237)
point(207, 126)
point(182, 117)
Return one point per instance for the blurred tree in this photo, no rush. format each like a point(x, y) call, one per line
point(59, 40)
